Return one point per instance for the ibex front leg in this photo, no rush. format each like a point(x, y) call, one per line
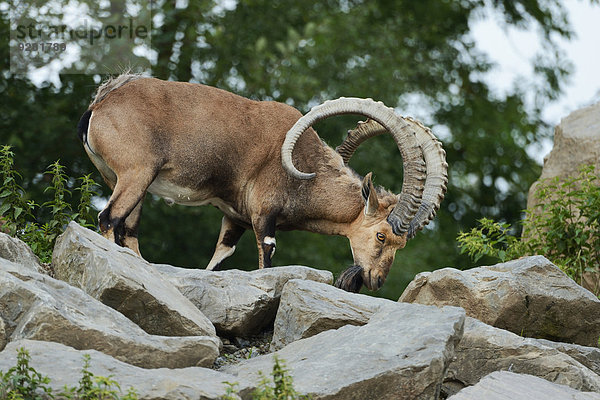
point(264, 229)
point(228, 237)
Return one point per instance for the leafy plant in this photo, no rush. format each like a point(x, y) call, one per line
point(23, 382)
point(564, 226)
point(39, 226)
point(279, 386)
point(490, 238)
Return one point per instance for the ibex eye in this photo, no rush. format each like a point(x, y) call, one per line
point(380, 237)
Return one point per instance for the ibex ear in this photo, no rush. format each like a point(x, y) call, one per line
point(369, 196)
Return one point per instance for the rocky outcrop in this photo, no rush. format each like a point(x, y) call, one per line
point(530, 297)
point(15, 250)
point(150, 384)
point(588, 356)
point(238, 303)
point(336, 345)
point(122, 280)
point(504, 385)
point(576, 143)
point(401, 353)
point(308, 308)
point(38, 307)
point(484, 349)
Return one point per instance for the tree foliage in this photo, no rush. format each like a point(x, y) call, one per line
point(413, 55)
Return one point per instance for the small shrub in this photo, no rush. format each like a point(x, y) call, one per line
point(23, 382)
point(564, 227)
point(279, 386)
point(25, 219)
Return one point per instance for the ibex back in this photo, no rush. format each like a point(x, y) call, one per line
point(193, 145)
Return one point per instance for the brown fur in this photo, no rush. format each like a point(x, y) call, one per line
point(192, 143)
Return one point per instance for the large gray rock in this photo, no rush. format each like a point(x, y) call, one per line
point(43, 308)
point(504, 385)
point(62, 364)
point(530, 297)
point(576, 143)
point(588, 356)
point(402, 353)
point(17, 251)
point(484, 349)
point(237, 302)
point(308, 308)
point(120, 279)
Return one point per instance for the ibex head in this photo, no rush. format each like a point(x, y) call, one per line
point(387, 220)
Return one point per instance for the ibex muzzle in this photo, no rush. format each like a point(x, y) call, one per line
point(193, 144)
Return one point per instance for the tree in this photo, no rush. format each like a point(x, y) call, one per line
point(400, 52)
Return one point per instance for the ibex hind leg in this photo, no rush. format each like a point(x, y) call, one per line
point(228, 237)
point(125, 202)
point(130, 239)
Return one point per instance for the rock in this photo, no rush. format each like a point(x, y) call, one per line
point(308, 308)
point(238, 303)
point(120, 279)
point(530, 297)
point(2, 334)
point(588, 356)
point(402, 353)
point(43, 308)
point(484, 349)
point(576, 143)
point(150, 384)
point(504, 385)
point(15, 250)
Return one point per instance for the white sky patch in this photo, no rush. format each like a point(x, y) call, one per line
point(512, 50)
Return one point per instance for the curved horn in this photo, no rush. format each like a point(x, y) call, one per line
point(363, 131)
point(414, 167)
point(435, 160)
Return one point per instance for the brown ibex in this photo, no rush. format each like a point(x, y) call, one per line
point(193, 144)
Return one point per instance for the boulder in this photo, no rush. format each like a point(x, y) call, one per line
point(504, 385)
point(308, 308)
point(17, 251)
point(120, 279)
point(401, 353)
point(530, 297)
point(588, 356)
point(43, 308)
point(484, 349)
point(576, 143)
point(238, 303)
point(149, 384)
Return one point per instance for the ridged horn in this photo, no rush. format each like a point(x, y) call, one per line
point(435, 161)
point(409, 199)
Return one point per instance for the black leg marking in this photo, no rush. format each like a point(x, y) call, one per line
point(233, 235)
point(264, 228)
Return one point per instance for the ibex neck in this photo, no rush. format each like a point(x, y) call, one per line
point(334, 206)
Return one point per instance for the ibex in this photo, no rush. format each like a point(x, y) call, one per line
point(193, 144)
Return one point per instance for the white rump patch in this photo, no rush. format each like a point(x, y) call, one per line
point(270, 240)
